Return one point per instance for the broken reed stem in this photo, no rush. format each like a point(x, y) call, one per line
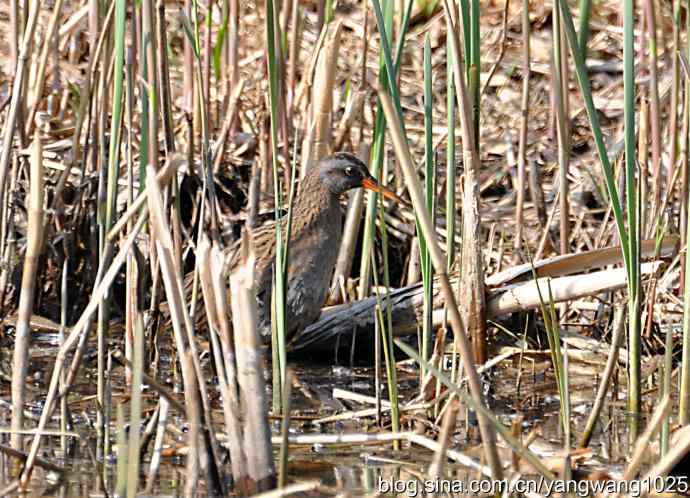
point(213, 284)
point(471, 297)
point(182, 324)
point(34, 244)
point(439, 263)
point(318, 135)
point(256, 430)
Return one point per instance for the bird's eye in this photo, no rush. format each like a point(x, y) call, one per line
point(349, 171)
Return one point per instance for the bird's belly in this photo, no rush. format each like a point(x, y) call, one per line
point(309, 279)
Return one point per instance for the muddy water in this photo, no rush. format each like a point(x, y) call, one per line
point(358, 469)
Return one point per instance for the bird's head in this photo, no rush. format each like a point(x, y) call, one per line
point(344, 171)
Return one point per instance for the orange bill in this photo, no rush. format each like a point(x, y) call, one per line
point(371, 184)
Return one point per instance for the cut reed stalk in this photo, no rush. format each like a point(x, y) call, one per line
point(471, 297)
point(215, 300)
point(256, 430)
point(22, 339)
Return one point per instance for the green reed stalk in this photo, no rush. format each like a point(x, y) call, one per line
point(450, 160)
point(329, 11)
point(116, 116)
point(385, 19)
point(280, 367)
point(550, 317)
point(475, 68)
point(221, 39)
point(684, 402)
point(466, 44)
point(585, 89)
point(561, 368)
point(629, 240)
point(684, 411)
point(583, 34)
point(386, 329)
point(375, 163)
point(280, 290)
point(144, 118)
point(655, 114)
point(450, 178)
point(429, 176)
point(634, 333)
point(110, 207)
point(285, 429)
point(559, 80)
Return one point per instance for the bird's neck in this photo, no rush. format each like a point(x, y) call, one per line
point(314, 199)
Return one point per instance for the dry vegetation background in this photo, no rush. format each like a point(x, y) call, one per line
point(108, 282)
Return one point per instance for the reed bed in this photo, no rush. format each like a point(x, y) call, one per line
point(520, 314)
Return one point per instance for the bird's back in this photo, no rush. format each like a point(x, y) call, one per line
point(313, 250)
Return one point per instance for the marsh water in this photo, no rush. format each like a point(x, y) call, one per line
point(529, 399)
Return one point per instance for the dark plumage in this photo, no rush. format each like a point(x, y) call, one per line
point(314, 242)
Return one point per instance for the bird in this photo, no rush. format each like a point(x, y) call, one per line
point(315, 235)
